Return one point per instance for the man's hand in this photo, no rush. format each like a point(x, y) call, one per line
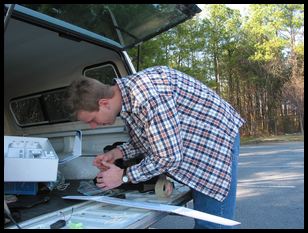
point(109, 178)
point(108, 157)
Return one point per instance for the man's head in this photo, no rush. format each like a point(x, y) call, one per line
point(92, 102)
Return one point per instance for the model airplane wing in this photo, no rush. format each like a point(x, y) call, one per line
point(159, 207)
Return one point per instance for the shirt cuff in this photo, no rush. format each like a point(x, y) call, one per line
point(147, 169)
point(128, 151)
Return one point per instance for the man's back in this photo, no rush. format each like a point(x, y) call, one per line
point(184, 127)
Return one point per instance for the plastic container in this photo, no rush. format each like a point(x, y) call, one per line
point(29, 159)
point(21, 188)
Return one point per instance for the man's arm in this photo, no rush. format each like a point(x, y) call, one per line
point(129, 150)
point(162, 130)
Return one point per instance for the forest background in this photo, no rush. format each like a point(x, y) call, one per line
point(254, 61)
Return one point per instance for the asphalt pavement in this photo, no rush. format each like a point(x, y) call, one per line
point(270, 191)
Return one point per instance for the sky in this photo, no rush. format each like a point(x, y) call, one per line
point(242, 7)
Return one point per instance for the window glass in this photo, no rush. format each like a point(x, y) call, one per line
point(104, 73)
point(127, 24)
point(54, 106)
point(40, 109)
point(48, 107)
point(27, 111)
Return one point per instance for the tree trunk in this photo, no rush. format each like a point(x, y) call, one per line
point(301, 122)
point(217, 78)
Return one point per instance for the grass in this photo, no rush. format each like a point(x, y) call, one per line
point(274, 138)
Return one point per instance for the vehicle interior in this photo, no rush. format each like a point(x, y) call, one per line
point(42, 56)
point(38, 65)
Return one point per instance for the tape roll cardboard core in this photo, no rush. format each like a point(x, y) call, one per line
point(163, 187)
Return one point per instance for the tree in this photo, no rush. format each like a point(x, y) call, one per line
point(292, 22)
point(255, 62)
point(265, 27)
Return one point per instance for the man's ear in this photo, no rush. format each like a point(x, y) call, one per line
point(103, 103)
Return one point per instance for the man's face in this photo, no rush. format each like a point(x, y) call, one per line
point(104, 116)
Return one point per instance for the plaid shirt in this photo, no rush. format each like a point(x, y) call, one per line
point(182, 128)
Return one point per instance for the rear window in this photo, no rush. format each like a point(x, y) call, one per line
point(127, 24)
point(47, 107)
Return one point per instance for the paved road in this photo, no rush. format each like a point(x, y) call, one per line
point(270, 189)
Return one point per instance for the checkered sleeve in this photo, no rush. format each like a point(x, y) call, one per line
point(129, 150)
point(162, 130)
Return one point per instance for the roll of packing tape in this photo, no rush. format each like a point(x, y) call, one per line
point(163, 187)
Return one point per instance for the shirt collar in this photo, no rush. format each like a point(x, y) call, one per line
point(123, 84)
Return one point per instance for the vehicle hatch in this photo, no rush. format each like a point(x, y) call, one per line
point(126, 24)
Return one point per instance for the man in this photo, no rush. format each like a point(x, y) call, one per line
point(182, 128)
